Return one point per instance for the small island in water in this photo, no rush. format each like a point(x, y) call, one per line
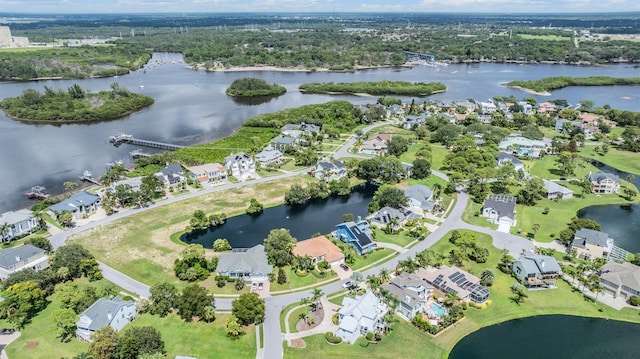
point(73, 105)
point(254, 87)
point(383, 87)
point(544, 85)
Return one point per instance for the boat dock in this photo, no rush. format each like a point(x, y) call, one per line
point(117, 140)
point(139, 154)
point(88, 177)
point(37, 192)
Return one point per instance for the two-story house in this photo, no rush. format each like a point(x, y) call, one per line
point(604, 182)
point(375, 145)
point(330, 171)
point(21, 222)
point(210, 172)
point(80, 204)
point(360, 316)
point(116, 313)
point(16, 259)
point(241, 165)
point(591, 244)
point(535, 270)
point(358, 235)
point(411, 292)
point(501, 210)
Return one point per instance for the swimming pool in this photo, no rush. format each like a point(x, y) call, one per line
point(437, 310)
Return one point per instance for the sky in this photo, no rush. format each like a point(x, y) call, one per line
point(465, 6)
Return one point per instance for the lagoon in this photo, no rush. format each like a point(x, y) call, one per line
point(303, 221)
point(551, 336)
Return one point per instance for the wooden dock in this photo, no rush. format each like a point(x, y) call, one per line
point(37, 192)
point(117, 140)
point(88, 177)
point(139, 154)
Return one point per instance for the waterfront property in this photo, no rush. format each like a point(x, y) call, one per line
point(249, 264)
point(360, 316)
point(522, 146)
point(80, 204)
point(115, 312)
point(133, 183)
point(375, 145)
point(269, 156)
point(319, 249)
point(419, 198)
point(411, 292)
point(546, 108)
point(554, 190)
point(358, 235)
point(506, 159)
point(386, 216)
point(452, 279)
point(591, 244)
point(304, 127)
point(500, 209)
point(16, 259)
point(19, 223)
point(535, 270)
point(621, 279)
point(284, 143)
point(210, 172)
point(171, 175)
point(604, 182)
point(241, 165)
point(330, 171)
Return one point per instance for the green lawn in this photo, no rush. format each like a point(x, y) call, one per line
point(376, 255)
point(290, 165)
point(200, 340)
point(620, 160)
point(403, 341)
point(295, 281)
point(545, 37)
point(294, 318)
point(471, 215)
point(400, 239)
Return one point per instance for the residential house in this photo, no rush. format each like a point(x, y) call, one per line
point(284, 143)
point(485, 118)
point(591, 244)
point(555, 190)
point(171, 175)
point(621, 279)
point(546, 108)
point(522, 146)
point(385, 216)
point(376, 144)
point(305, 127)
point(604, 182)
point(559, 126)
point(319, 249)
point(116, 313)
point(133, 183)
point(357, 235)
point(210, 172)
point(21, 222)
point(241, 165)
point(80, 204)
point(249, 264)
point(360, 316)
point(419, 198)
point(330, 171)
point(589, 131)
point(527, 108)
point(411, 292)
point(269, 156)
point(395, 110)
point(488, 107)
point(412, 121)
point(18, 258)
point(535, 270)
point(500, 209)
point(509, 159)
point(452, 279)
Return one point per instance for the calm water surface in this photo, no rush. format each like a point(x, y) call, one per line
point(191, 108)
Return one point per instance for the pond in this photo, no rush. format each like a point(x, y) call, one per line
point(621, 223)
point(551, 336)
point(304, 221)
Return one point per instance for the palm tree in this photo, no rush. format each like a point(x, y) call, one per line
point(385, 275)
point(536, 228)
point(452, 297)
point(4, 231)
point(374, 283)
point(317, 294)
point(597, 288)
point(39, 216)
point(487, 277)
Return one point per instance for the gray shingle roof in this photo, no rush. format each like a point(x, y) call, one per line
point(419, 192)
point(536, 263)
point(585, 235)
point(173, 168)
point(503, 156)
point(15, 217)
point(98, 312)
point(503, 204)
point(622, 274)
point(552, 187)
point(252, 260)
point(10, 256)
point(601, 176)
point(76, 200)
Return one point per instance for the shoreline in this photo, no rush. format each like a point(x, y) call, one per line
point(527, 90)
point(258, 68)
point(64, 122)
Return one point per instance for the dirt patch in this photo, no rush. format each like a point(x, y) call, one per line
point(314, 317)
point(31, 345)
point(298, 343)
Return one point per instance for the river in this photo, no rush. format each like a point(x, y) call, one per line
point(191, 107)
point(551, 336)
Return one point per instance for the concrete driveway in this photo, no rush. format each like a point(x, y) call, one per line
point(6, 340)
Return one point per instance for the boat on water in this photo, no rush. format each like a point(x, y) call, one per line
point(37, 192)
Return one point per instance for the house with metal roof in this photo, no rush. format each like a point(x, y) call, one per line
point(358, 235)
point(249, 264)
point(20, 223)
point(621, 279)
point(411, 292)
point(555, 190)
point(116, 313)
point(360, 316)
point(80, 204)
point(500, 209)
point(604, 182)
point(591, 244)
point(453, 279)
point(18, 258)
point(535, 270)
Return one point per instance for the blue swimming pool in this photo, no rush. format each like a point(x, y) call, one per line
point(437, 310)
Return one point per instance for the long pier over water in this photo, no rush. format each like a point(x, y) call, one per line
point(117, 140)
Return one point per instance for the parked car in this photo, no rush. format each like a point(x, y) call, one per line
point(254, 286)
point(344, 266)
point(7, 331)
point(348, 284)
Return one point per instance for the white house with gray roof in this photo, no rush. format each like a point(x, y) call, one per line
point(241, 165)
point(555, 190)
point(419, 197)
point(621, 279)
point(385, 216)
point(506, 159)
point(79, 204)
point(411, 292)
point(330, 171)
point(591, 244)
point(269, 156)
point(16, 259)
point(116, 313)
point(360, 316)
point(535, 270)
point(19, 223)
point(604, 182)
point(500, 209)
point(249, 264)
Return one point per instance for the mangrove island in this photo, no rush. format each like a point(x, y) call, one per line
point(375, 88)
point(254, 87)
point(544, 85)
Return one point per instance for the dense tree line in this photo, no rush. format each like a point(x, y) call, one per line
point(553, 83)
point(384, 87)
point(252, 87)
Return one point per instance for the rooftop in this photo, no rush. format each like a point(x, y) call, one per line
point(11, 256)
point(590, 236)
point(318, 246)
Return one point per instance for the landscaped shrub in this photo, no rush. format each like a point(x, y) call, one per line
point(332, 338)
point(369, 336)
point(634, 300)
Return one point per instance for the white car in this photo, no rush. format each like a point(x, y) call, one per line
point(348, 284)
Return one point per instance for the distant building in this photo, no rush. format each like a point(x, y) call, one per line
point(305, 127)
point(116, 313)
point(535, 270)
point(21, 222)
point(7, 40)
point(621, 279)
point(604, 182)
point(319, 249)
point(360, 316)
point(500, 209)
point(241, 165)
point(522, 146)
point(591, 244)
point(80, 204)
point(248, 264)
point(357, 235)
point(546, 108)
point(555, 190)
point(488, 107)
point(453, 279)
point(23, 257)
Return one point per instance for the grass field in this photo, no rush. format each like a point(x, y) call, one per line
point(294, 281)
point(400, 239)
point(469, 216)
point(544, 37)
point(376, 255)
point(139, 245)
point(620, 160)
